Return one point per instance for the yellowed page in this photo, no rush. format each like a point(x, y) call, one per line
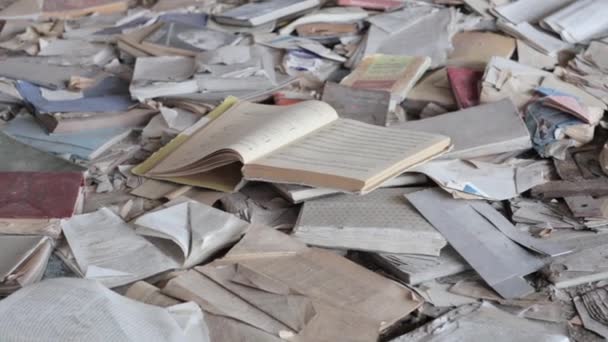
point(352, 149)
point(251, 130)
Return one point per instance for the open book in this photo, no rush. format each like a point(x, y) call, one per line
point(299, 144)
point(109, 250)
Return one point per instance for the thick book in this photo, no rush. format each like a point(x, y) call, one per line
point(382, 221)
point(258, 13)
point(40, 195)
point(295, 144)
point(394, 74)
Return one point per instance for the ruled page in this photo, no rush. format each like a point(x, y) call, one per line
point(252, 130)
point(354, 149)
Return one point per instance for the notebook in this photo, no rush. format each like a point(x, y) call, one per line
point(395, 74)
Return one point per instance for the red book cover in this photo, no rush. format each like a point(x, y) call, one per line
point(39, 195)
point(372, 4)
point(465, 86)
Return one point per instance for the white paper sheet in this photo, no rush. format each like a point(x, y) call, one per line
point(67, 309)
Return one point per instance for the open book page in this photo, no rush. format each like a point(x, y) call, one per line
point(250, 130)
point(367, 153)
point(211, 230)
point(170, 223)
point(197, 229)
point(109, 250)
point(57, 310)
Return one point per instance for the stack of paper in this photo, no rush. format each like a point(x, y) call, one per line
point(415, 269)
point(255, 14)
point(393, 74)
point(470, 133)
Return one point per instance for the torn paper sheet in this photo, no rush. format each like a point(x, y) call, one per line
point(501, 262)
point(108, 249)
point(59, 308)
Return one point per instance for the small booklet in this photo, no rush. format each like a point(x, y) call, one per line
point(296, 144)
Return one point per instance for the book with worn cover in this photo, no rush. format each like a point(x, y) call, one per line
point(23, 260)
point(465, 83)
point(295, 144)
point(382, 221)
point(39, 195)
point(85, 145)
point(395, 74)
point(365, 105)
point(87, 121)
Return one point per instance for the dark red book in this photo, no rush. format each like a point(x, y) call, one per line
point(39, 195)
point(465, 86)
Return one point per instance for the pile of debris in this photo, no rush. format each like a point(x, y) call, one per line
point(304, 170)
